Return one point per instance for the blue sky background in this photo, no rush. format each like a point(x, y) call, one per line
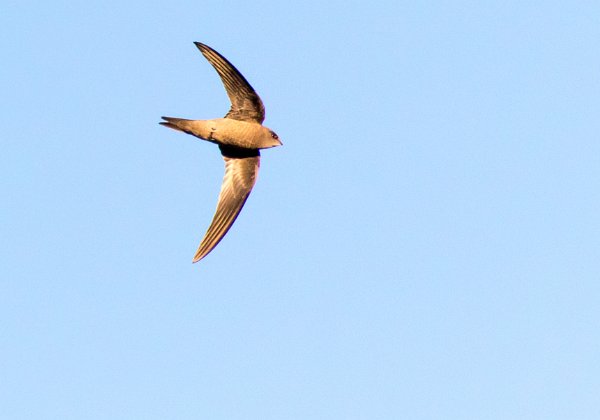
point(425, 245)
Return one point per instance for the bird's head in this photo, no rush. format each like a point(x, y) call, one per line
point(271, 140)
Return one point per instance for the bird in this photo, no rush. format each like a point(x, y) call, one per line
point(240, 135)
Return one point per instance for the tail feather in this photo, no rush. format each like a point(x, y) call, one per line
point(179, 124)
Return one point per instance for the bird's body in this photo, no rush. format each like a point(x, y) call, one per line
point(240, 135)
point(244, 134)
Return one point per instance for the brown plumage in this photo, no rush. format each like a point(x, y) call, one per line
point(240, 135)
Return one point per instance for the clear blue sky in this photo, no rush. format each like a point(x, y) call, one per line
point(425, 245)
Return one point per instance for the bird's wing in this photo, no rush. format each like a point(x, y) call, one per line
point(245, 102)
point(240, 176)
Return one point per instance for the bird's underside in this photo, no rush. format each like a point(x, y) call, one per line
point(240, 135)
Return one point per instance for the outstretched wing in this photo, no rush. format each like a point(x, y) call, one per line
point(245, 102)
point(240, 176)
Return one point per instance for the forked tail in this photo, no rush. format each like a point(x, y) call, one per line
point(179, 124)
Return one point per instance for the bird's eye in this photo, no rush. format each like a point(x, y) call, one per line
point(274, 135)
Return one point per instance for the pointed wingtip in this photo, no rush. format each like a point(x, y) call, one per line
point(200, 45)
